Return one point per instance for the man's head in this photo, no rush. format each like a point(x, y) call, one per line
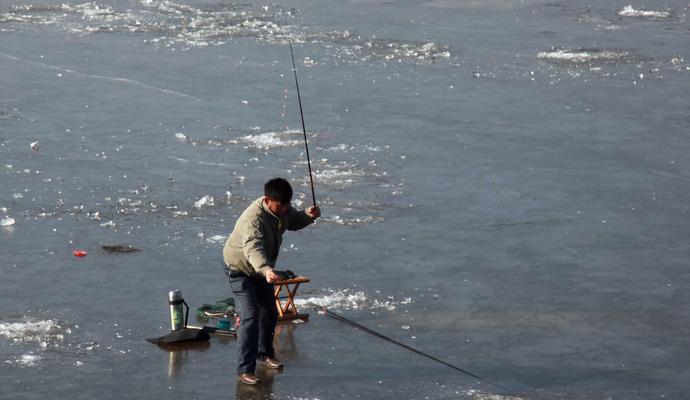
point(278, 194)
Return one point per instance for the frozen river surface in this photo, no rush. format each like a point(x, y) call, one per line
point(505, 186)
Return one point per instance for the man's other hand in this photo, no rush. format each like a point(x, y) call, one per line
point(272, 276)
point(314, 212)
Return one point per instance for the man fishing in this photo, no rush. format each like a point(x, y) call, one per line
point(250, 255)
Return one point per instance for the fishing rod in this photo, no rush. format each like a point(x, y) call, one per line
point(301, 113)
point(346, 321)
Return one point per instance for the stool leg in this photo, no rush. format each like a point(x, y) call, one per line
point(276, 293)
point(291, 299)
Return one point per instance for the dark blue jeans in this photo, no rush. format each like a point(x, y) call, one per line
point(256, 306)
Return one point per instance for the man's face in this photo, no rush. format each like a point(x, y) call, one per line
point(276, 206)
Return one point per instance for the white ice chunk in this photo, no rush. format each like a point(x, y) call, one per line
point(8, 221)
point(205, 201)
point(216, 239)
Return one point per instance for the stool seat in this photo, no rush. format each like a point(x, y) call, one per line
point(285, 303)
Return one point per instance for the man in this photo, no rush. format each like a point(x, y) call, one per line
point(250, 255)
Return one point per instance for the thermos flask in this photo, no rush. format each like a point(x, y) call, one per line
point(176, 311)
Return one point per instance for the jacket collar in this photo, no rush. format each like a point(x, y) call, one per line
point(262, 204)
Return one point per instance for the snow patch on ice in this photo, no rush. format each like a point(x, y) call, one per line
point(26, 330)
point(205, 201)
point(7, 221)
point(271, 140)
point(629, 11)
point(90, 10)
point(216, 239)
point(339, 177)
point(346, 299)
point(584, 55)
point(348, 148)
point(109, 224)
point(479, 395)
point(165, 23)
point(338, 220)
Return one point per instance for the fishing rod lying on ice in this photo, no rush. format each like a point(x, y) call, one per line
point(340, 318)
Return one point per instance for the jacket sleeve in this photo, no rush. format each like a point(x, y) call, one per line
point(298, 219)
point(253, 246)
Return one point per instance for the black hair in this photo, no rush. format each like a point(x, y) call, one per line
point(278, 189)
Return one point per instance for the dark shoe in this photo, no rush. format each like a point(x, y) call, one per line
point(248, 379)
point(272, 362)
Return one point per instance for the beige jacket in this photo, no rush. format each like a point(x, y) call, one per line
point(254, 243)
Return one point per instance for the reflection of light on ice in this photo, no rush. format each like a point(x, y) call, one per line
point(25, 360)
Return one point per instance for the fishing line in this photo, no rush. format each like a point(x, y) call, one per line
point(346, 321)
point(301, 113)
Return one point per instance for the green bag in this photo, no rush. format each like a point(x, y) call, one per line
point(219, 308)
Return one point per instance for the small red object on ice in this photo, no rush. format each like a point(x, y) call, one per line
point(79, 253)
